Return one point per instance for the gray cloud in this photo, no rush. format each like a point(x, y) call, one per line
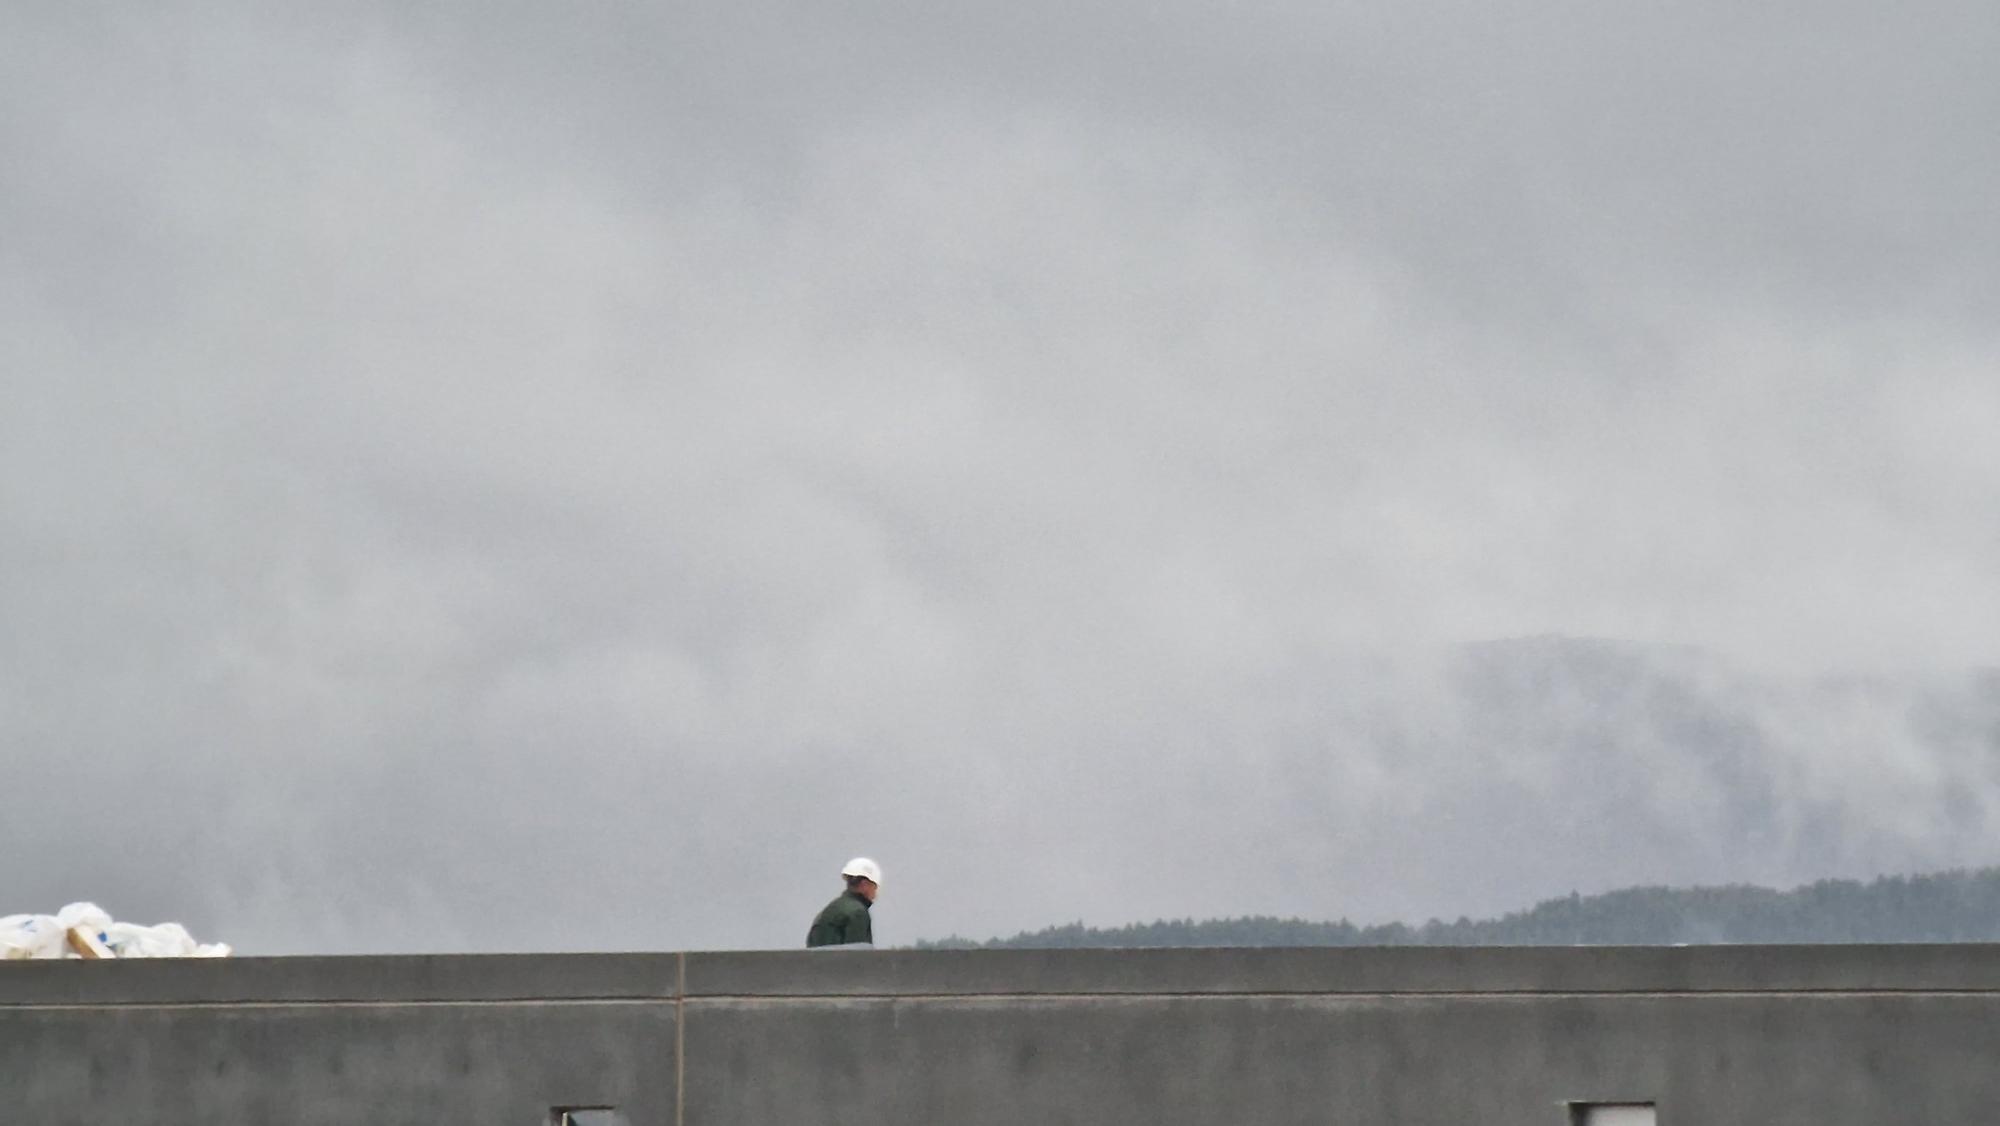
point(487, 477)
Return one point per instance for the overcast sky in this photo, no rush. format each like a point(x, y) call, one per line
point(504, 475)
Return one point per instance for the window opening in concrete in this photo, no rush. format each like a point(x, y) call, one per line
point(1612, 1114)
point(586, 1116)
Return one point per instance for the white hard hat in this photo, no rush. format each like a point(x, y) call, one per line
point(862, 866)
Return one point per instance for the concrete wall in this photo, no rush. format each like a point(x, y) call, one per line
point(1772, 1036)
point(269, 1041)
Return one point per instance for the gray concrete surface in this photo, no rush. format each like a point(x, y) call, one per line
point(1771, 1036)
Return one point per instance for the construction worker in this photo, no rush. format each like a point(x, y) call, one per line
point(844, 922)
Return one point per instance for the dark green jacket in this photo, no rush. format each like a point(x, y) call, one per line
point(843, 921)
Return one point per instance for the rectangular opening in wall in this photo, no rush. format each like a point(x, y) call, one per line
point(1612, 1114)
point(586, 1116)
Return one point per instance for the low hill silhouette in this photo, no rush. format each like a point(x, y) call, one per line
point(1953, 906)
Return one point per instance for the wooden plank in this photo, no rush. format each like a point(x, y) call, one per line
point(87, 944)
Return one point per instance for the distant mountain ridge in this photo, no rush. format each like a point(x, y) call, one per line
point(1953, 906)
point(1478, 783)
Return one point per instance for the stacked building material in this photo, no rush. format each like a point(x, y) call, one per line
point(84, 930)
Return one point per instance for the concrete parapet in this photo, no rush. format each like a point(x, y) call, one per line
point(1775, 1036)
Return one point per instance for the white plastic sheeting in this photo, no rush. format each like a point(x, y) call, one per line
point(48, 936)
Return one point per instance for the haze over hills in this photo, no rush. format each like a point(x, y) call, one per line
point(1494, 775)
point(1941, 907)
point(1564, 763)
point(1560, 763)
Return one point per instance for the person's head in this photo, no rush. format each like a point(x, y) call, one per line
point(863, 876)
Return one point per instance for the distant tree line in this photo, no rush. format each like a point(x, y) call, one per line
point(1956, 906)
